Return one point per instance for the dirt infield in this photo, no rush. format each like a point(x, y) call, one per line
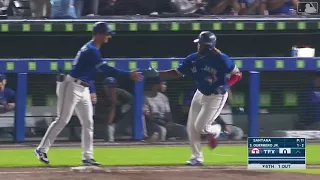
point(148, 172)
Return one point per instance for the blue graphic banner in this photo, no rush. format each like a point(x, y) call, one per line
point(244, 63)
point(276, 151)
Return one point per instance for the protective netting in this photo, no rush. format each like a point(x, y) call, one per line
point(286, 103)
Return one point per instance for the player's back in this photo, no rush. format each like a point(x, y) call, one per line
point(83, 66)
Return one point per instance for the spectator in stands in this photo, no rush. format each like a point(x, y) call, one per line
point(121, 7)
point(7, 102)
point(63, 9)
point(282, 7)
point(223, 7)
point(90, 7)
point(114, 109)
point(157, 112)
point(252, 7)
point(309, 106)
point(226, 121)
point(40, 8)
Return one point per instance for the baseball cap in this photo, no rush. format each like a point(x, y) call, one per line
point(102, 28)
point(110, 81)
point(2, 77)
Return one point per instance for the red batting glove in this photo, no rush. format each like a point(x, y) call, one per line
point(234, 78)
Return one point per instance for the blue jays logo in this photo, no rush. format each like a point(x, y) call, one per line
point(211, 79)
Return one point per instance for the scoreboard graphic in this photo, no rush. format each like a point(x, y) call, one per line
point(276, 153)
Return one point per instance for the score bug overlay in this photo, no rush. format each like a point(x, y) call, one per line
point(276, 153)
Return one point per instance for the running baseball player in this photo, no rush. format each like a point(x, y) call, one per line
point(73, 94)
point(213, 73)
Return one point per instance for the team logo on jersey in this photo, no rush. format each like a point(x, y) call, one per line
point(210, 70)
point(211, 79)
point(193, 69)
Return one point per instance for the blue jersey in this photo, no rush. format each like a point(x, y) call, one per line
point(7, 96)
point(209, 71)
point(89, 61)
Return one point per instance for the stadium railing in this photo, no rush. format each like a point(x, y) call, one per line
point(253, 66)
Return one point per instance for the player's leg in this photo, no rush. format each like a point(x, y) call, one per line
point(84, 111)
point(194, 136)
point(66, 102)
point(211, 108)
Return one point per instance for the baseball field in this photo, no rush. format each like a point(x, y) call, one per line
point(161, 162)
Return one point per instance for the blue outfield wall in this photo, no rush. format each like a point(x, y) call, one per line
point(254, 65)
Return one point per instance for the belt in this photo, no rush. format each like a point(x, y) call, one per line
point(216, 92)
point(62, 77)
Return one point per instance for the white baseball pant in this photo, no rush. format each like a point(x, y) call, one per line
point(203, 111)
point(72, 96)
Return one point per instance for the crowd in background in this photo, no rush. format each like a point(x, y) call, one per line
point(81, 8)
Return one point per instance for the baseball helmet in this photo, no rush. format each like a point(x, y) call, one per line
point(207, 38)
point(102, 28)
point(110, 81)
point(2, 77)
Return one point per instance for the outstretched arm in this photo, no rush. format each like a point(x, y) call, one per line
point(102, 65)
point(169, 74)
point(182, 70)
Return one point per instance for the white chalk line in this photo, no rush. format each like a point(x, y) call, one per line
point(106, 170)
point(32, 172)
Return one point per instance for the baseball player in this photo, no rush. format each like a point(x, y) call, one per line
point(213, 73)
point(73, 94)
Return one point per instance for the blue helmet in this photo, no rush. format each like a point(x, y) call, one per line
point(2, 77)
point(207, 38)
point(102, 28)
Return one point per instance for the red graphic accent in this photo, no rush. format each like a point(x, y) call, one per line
point(255, 151)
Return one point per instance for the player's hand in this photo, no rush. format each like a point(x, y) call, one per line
point(94, 98)
point(135, 76)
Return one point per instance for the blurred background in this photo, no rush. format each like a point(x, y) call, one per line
point(91, 8)
point(288, 99)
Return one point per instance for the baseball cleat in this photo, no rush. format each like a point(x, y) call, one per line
point(194, 162)
point(42, 157)
point(90, 162)
point(212, 141)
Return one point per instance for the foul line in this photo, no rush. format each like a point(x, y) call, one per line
point(122, 170)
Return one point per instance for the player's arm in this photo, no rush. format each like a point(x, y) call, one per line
point(181, 71)
point(10, 104)
point(11, 101)
point(147, 110)
point(168, 114)
point(232, 70)
point(92, 90)
point(102, 65)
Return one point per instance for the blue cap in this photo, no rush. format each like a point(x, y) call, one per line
point(102, 28)
point(110, 81)
point(3, 77)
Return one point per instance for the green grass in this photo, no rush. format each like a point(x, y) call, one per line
point(223, 155)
